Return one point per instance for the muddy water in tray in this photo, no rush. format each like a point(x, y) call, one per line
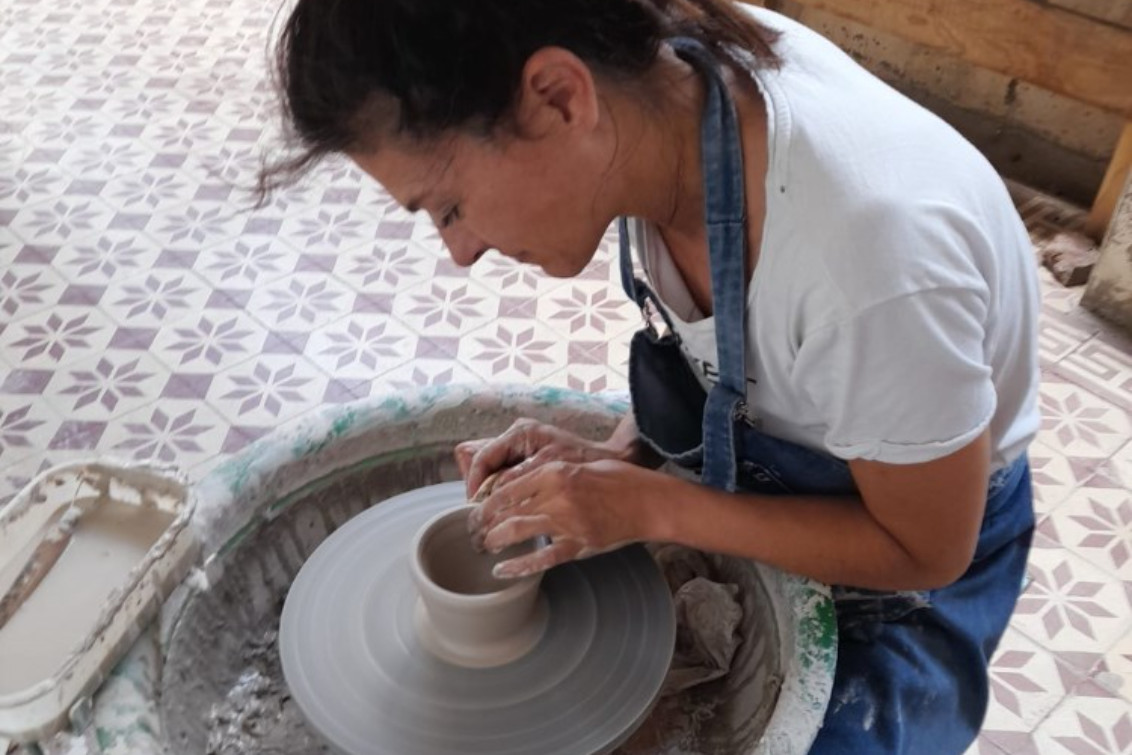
point(223, 690)
point(108, 540)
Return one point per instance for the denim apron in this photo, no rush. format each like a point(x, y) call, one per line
point(911, 672)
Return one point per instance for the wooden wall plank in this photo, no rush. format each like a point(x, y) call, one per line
point(1052, 48)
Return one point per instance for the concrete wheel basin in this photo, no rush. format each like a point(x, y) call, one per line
point(264, 512)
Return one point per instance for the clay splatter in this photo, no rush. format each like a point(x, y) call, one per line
point(258, 714)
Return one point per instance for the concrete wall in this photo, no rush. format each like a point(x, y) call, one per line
point(1109, 292)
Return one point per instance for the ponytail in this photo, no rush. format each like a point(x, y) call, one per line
point(720, 25)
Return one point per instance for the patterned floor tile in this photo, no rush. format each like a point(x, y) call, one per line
point(57, 337)
point(111, 255)
point(1115, 672)
point(506, 277)
point(250, 260)
point(1096, 524)
point(31, 184)
point(1116, 471)
point(389, 267)
point(1092, 722)
point(173, 431)
point(105, 386)
point(301, 301)
point(267, 389)
point(27, 426)
point(362, 346)
point(618, 354)
point(336, 229)
point(10, 244)
point(1056, 476)
point(154, 298)
point(589, 378)
point(983, 746)
point(588, 310)
point(1027, 682)
point(196, 224)
point(1059, 338)
point(1071, 607)
point(513, 350)
point(1079, 424)
point(26, 290)
point(420, 373)
point(62, 220)
point(445, 306)
point(149, 190)
point(1104, 366)
point(209, 341)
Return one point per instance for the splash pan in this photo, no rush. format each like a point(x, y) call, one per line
point(264, 515)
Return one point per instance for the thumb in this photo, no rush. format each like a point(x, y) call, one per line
point(465, 453)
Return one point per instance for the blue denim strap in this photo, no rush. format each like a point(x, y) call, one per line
point(725, 208)
point(725, 211)
point(635, 288)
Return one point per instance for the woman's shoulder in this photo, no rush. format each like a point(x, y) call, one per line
point(842, 135)
point(869, 195)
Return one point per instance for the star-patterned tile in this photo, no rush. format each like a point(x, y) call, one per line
point(149, 310)
point(1071, 607)
point(1027, 682)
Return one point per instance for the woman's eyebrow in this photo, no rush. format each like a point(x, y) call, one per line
point(414, 204)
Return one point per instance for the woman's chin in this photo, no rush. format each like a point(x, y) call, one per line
point(563, 267)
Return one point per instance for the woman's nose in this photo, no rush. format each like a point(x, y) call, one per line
point(464, 247)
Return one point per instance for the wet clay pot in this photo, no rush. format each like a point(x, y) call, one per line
point(465, 615)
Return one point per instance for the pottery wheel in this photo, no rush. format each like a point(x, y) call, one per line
point(354, 666)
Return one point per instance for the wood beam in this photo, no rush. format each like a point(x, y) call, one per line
point(1105, 202)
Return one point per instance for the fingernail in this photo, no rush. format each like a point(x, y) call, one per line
point(500, 571)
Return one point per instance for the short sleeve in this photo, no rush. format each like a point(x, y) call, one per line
point(903, 381)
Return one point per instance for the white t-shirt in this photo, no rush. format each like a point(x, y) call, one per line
point(893, 312)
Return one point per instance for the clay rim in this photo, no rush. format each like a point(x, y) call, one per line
point(424, 582)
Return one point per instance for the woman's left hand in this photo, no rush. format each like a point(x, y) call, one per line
point(584, 508)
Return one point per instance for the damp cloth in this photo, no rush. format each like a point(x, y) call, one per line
point(708, 616)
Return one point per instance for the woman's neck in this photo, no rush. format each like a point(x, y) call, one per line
point(658, 150)
point(659, 166)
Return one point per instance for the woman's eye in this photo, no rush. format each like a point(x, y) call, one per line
point(451, 216)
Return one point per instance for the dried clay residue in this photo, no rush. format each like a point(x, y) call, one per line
point(675, 726)
point(258, 714)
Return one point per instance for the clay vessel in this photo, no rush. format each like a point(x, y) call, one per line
point(465, 615)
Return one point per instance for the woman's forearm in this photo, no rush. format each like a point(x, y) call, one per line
point(831, 539)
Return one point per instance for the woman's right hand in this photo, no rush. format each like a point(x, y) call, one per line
point(525, 446)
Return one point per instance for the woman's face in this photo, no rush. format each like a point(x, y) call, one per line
point(540, 197)
point(536, 201)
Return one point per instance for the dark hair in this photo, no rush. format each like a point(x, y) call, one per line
point(346, 69)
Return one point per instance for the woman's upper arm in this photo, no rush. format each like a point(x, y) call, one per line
point(934, 509)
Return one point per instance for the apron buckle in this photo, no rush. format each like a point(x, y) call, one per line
point(648, 313)
point(741, 415)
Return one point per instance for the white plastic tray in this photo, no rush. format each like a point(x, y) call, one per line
point(37, 711)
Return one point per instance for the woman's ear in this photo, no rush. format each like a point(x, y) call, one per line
point(557, 93)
